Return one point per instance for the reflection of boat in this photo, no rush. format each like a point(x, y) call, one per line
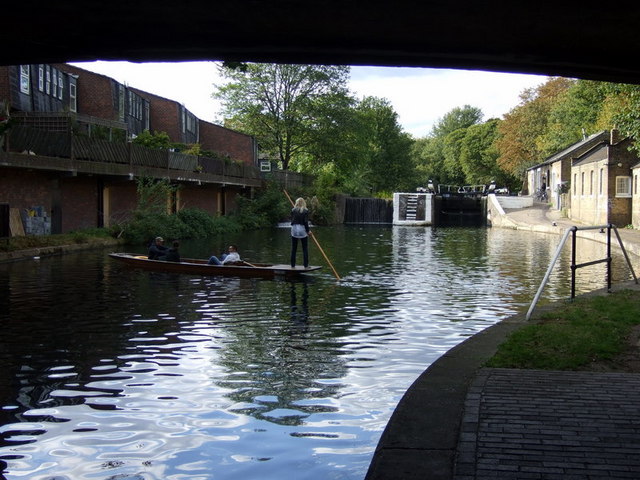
point(200, 267)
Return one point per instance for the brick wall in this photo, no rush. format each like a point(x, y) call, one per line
point(226, 142)
point(23, 189)
point(204, 197)
point(164, 115)
point(620, 207)
point(4, 84)
point(120, 200)
point(94, 93)
point(79, 203)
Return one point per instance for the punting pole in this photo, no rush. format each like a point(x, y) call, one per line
point(316, 242)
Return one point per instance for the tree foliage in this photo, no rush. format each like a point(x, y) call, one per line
point(281, 105)
point(522, 128)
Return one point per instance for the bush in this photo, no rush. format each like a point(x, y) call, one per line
point(266, 209)
point(188, 223)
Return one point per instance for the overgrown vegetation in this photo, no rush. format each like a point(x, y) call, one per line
point(150, 218)
point(587, 330)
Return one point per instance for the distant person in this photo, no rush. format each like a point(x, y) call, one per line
point(157, 249)
point(300, 231)
point(173, 255)
point(232, 256)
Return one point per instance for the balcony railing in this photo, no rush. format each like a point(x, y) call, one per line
point(35, 141)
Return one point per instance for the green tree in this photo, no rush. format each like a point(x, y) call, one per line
point(521, 129)
point(575, 114)
point(387, 147)
point(459, 117)
point(625, 100)
point(281, 105)
point(437, 157)
point(478, 156)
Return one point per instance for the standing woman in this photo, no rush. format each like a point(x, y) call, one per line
point(300, 231)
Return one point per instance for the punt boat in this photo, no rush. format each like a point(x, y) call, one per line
point(195, 266)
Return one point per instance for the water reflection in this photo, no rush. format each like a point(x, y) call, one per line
point(111, 372)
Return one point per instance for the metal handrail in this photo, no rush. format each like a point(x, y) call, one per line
point(572, 231)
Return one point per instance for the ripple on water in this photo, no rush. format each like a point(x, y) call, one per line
point(122, 374)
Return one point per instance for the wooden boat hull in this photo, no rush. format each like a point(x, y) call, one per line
point(195, 266)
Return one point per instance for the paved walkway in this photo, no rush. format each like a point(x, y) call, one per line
point(465, 422)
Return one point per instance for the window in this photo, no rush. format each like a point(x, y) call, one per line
point(47, 86)
point(635, 184)
point(591, 182)
point(24, 79)
point(623, 187)
point(582, 185)
point(121, 102)
point(601, 181)
point(60, 85)
point(54, 89)
point(73, 102)
point(575, 183)
point(41, 78)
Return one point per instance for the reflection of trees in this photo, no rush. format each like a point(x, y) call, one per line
point(282, 359)
point(65, 316)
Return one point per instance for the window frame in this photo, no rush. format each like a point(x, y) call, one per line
point(25, 79)
point(626, 192)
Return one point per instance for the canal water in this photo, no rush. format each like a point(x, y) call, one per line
point(114, 373)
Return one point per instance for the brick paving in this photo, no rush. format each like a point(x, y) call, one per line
point(532, 424)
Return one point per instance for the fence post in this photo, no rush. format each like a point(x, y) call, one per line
point(608, 257)
point(573, 263)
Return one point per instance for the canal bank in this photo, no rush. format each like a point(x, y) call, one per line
point(462, 421)
point(48, 251)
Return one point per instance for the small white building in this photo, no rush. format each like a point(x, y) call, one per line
point(556, 170)
point(412, 208)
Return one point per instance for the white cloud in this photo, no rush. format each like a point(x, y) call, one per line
point(188, 83)
point(420, 96)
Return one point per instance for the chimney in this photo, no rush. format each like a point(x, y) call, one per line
point(615, 136)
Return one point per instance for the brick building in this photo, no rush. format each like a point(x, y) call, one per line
point(170, 117)
point(229, 143)
point(601, 183)
point(37, 88)
point(103, 97)
point(55, 162)
point(635, 198)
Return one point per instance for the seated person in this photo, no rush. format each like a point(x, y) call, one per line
point(173, 255)
point(227, 258)
point(157, 249)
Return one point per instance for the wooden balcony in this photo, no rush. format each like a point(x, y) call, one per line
point(57, 148)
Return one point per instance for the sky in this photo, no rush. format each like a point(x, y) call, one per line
point(420, 96)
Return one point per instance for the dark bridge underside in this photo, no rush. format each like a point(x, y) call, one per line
point(586, 40)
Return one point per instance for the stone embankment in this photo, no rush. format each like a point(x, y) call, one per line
point(40, 252)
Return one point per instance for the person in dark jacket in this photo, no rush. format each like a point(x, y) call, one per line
point(173, 255)
point(300, 231)
point(157, 249)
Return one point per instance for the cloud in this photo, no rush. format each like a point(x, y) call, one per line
point(420, 96)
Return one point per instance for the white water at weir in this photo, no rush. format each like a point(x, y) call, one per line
point(112, 373)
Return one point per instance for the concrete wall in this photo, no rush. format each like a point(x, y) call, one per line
point(635, 199)
point(514, 202)
point(590, 190)
point(424, 214)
